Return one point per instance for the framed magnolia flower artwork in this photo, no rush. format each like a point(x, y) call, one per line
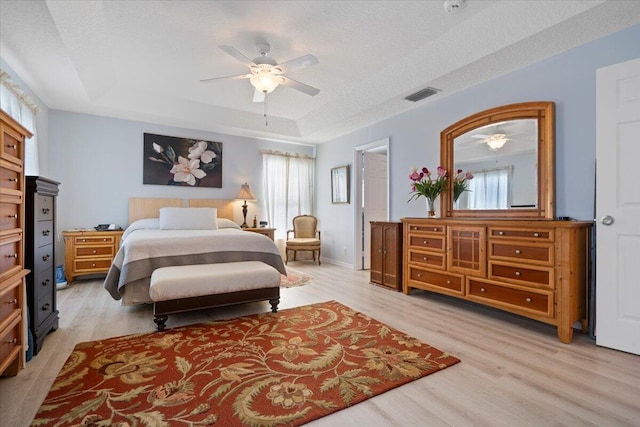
point(180, 161)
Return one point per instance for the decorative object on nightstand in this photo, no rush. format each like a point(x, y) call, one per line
point(269, 232)
point(245, 194)
point(39, 257)
point(89, 251)
point(12, 224)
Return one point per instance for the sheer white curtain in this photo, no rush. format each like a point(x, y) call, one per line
point(19, 106)
point(287, 188)
point(489, 189)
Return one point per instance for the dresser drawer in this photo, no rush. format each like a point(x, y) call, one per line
point(9, 300)
point(517, 273)
point(12, 147)
point(10, 256)
point(44, 207)
point(43, 309)
point(43, 258)
point(536, 254)
point(10, 339)
point(94, 251)
point(521, 233)
point(44, 233)
point(90, 266)
point(432, 260)
point(434, 243)
point(9, 180)
point(450, 283)
point(9, 218)
point(93, 240)
point(425, 228)
point(43, 283)
point(506, 296)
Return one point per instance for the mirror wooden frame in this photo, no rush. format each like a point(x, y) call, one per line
point(544, 112)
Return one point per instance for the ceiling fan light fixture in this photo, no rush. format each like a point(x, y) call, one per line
point(265, 82)
point(496, 141)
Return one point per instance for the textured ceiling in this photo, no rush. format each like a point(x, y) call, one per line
point(142, 60)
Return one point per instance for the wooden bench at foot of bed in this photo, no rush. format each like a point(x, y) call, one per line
point(194, 287)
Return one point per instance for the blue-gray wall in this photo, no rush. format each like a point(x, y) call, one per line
point(568, 79)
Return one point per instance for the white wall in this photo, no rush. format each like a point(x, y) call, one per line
point(99, 160)
point(568, 79)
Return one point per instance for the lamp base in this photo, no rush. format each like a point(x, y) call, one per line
point(244, 215)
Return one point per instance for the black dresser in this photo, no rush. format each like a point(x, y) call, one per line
point(39, 256)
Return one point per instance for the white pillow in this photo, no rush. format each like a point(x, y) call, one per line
point(227, 223)
point(188, 219)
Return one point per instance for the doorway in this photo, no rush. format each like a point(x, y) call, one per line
point(371, 195)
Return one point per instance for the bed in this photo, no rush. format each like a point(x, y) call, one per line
point(146, 246)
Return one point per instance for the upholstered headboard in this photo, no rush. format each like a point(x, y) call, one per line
point(148, 207)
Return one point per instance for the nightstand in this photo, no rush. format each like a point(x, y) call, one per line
point(262, 230)
point(89, 252)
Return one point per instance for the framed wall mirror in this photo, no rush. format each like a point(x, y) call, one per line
point(510, 151)
point(340, 184)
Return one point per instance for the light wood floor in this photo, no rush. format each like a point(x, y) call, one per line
point(514, 371)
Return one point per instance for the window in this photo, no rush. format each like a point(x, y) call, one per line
point(287, 187)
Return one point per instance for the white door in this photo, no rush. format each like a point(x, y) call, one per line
point(618, 204)
point(375, 197)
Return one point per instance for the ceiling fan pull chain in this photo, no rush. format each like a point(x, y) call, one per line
point(266, 122)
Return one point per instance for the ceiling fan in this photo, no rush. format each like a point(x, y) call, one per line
point(266, 74)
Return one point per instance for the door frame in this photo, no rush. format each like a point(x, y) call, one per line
point(357, 211)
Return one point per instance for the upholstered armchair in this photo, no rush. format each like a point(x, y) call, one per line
point(306, 237)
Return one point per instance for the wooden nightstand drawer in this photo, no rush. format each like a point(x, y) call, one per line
point(269, 232)
point(93, 240)
point(92, 266)
point(94, 251)
point(502, 295)
point(428, 259)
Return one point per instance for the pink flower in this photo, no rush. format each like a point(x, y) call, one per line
point(442, 172)
point(426, 171)
point(459, 171)
point(415, 176)
point(468, 175)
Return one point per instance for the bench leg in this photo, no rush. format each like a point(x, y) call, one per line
point(274, 304)
point(159, 320)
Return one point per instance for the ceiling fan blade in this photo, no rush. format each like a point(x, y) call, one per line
point(238, 77)
point(298, 63)
point(238, 55)
point(258, 96)
point(294, 84)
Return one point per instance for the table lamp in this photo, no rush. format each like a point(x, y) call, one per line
point(245, 194)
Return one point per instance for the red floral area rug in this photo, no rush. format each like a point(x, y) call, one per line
point(286, 368)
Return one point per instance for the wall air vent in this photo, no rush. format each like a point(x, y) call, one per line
point(422, 94)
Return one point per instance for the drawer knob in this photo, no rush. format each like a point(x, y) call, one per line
point(45, 307)
point(424, 242)
point(12, 256)
point(95, 252)
point(435, 229)
point(501, 233)
point(45, 210)
point(12, 216)
point(13, 341)
point(518, 273)
point(419, 274)
point(483, 290)
point(12, 146)
point(46, 257)
point(415, 228)
point(13, 301)
point(13, 180)
point(104, 240)
point(46, 232)
point(45, 283)
point(536, 235)
point(448, 282)
point(83, 240)
point(425, 258)
point(528, 300)
point(518, 251)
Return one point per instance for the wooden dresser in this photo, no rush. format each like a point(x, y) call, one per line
point(40, 235)
point(386, 254)
point(534, 268)
point(12, 225)
point(89, 252)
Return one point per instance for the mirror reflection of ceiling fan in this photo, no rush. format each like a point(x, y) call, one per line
point(498, 135)
point(266, 74)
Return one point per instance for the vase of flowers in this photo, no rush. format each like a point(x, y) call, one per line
point(424, 185)
point(460, 184)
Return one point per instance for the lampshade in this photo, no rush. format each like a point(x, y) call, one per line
point(496, 141)
point(265, 81)
point(245, 193)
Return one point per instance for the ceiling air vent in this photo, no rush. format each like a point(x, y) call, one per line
point(422, 94)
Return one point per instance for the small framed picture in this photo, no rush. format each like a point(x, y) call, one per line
point(340, 184)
